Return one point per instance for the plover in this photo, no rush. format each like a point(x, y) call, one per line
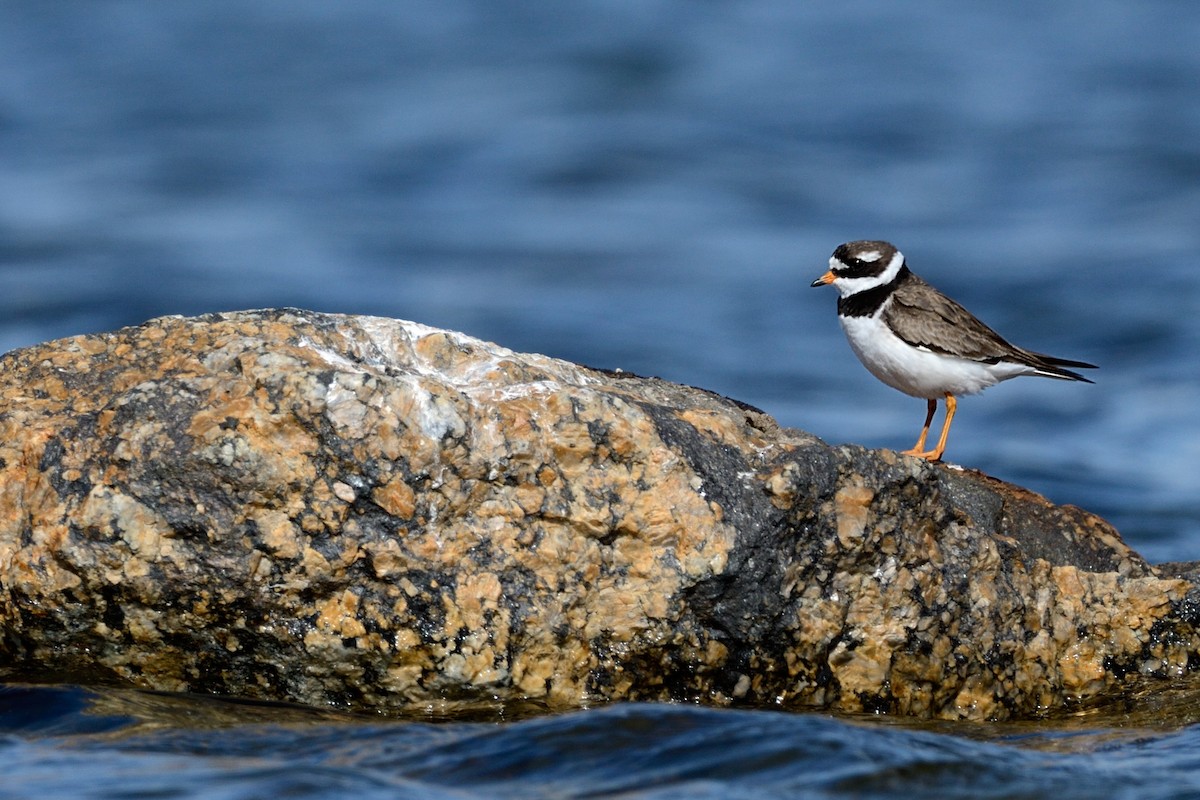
point(915, 339)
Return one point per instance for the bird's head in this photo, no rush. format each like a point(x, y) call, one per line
point(858, 266)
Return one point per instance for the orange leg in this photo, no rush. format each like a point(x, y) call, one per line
point(918, 449)
point(936, 453)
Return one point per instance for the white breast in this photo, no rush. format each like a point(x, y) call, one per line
point(916, 371)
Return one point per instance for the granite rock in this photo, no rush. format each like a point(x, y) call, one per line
point(374, 514)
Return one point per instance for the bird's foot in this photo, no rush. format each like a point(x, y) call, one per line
point(932, 456)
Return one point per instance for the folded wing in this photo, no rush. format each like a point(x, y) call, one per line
point(926, 318)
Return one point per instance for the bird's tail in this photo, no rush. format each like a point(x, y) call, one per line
point(1052, 367)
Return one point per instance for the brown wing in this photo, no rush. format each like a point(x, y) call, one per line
point(924, 317)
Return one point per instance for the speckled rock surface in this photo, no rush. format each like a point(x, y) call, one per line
point(375, 514)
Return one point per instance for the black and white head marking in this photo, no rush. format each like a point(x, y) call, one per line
point(863, 265)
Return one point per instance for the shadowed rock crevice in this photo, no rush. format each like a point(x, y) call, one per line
point(375, 514)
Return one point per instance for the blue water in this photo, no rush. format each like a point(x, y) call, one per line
point(73, 743)
point(649, 185)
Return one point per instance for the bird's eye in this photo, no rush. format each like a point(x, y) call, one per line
point(852, 267)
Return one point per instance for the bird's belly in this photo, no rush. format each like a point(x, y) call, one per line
point(916, 371)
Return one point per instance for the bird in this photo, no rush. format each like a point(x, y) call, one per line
point(919, 341)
